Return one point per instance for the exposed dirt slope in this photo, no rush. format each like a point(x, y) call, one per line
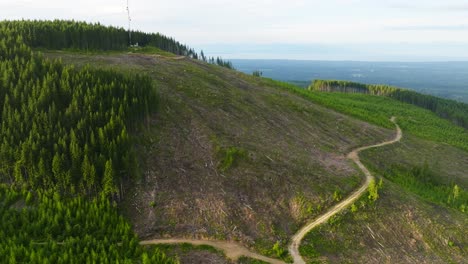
point(234, 250)
point(288, 155)
point(232, 157)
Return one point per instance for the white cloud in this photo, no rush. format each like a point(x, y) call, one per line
point(267, 21)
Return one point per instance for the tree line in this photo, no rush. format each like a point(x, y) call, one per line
point(64, 151)
point(64, 128)
point(75, 35)
point(69, 34)
point(456, 112)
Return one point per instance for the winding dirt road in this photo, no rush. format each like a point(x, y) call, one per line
point(234, 250)
point(354, 155)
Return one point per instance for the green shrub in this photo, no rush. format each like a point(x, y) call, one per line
point(230, 157)
point(425, 183)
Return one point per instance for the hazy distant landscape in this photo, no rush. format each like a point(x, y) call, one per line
point(445, 79)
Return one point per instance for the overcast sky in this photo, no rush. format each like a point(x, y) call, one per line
point(295, 29)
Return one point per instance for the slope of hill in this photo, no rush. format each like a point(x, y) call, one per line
point(229, 157)
point(404, 225)
point(225, 156)
point(421, 177)
point(286, 152)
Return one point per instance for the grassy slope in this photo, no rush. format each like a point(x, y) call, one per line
point(376, 109)
point(293, 161)
point(398, 228)
point(402, 226)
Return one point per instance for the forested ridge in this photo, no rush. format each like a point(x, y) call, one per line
point(454, 111)
point(75, 35)
point(65, 128)
point(65, 150)
point(67, 34)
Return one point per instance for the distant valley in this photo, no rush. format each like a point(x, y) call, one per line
point(444, 79)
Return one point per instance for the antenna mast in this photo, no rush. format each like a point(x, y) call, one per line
point(129, 25)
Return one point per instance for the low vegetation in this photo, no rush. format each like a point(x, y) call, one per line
point(377, 110)
point(246, 260)
point(423, 182)
point(340, 240)
point(230, 157)
point(451, 110)
point(316, 243)
point(397, 227)
point(188, 253)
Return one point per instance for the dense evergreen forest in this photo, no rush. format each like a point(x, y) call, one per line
point(73, 35)
point(454, 111)
point(64, 151)
point(63, 128)
point(63, 34)
point(45, 228)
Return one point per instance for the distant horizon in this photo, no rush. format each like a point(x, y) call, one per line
point(335, 30)
point(366, 61)
point(445, 79)
point(376, 52)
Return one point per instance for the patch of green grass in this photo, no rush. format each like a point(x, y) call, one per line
point(247, 260)
point(318, 243)
point(79, 51)
point(230, 157)
point(187, 247)
point(423, 182)
point(277, 249)
point(151, 50)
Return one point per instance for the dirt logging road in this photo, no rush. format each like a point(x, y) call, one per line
point(354, 156)
point(234, 250)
